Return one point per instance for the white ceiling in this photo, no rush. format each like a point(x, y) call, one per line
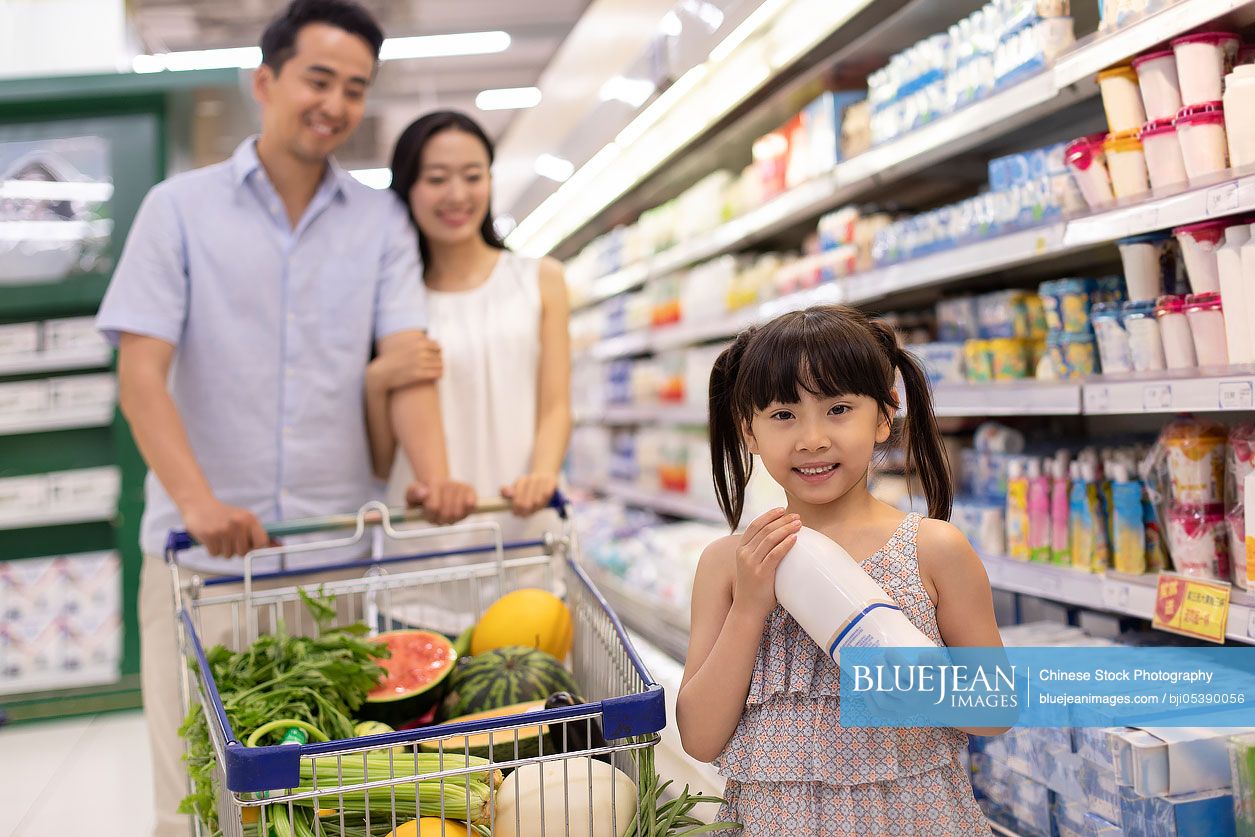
point(405, 89)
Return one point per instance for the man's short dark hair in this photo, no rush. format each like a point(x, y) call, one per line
point(278, 42)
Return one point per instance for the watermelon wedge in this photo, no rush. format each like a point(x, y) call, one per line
point(416, 674)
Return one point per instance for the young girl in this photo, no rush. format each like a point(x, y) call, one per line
point(812, 394)
point(501, 321)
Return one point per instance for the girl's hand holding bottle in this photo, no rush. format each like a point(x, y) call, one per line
point(763, 546)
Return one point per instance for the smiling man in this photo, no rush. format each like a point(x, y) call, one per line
point(245, 307)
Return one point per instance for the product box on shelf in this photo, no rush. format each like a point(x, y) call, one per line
point(21, 496)
point(19, 339)
point(24, 400)
point(1168, 761)
point(71, 334)
point(81, 392)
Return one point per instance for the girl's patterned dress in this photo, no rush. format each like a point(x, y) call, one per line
point(793, 769)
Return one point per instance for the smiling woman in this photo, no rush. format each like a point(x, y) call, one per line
point(501, 322)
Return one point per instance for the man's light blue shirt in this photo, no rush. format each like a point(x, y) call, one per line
point(273, 327)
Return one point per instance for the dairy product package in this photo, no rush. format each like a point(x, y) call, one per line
point(836, 602)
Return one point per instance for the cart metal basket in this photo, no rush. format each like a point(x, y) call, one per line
point(337, 787)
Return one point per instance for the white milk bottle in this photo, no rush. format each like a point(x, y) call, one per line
point(836, 602)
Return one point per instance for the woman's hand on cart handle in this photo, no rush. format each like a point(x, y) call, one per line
point(225, 531)
point(443, 502)
point(530, 493)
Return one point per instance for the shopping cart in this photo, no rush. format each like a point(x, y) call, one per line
point(260, 790)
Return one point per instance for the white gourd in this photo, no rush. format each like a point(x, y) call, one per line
point(565, 809)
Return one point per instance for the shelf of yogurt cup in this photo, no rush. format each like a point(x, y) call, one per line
point(1198, 208)
point(952, 134)
point(671, 503)
point(1133, 595)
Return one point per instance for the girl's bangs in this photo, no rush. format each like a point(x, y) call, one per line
point(813, 352)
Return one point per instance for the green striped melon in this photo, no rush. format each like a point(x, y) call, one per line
point(503, 742)
point(503, 677)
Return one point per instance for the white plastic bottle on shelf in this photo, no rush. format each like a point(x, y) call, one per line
point(1234, 292)
point(836, 602)
point(1239, 114)
point(1248, 295)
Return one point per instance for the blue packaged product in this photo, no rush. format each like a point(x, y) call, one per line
point(1113, 341)
point(1102, 794)
point(1201, 814)
point(1067, 303)
point(1108, 289)
point(942, 362)
point(1092, 744)
point(1096, 826)
point(1068, 818)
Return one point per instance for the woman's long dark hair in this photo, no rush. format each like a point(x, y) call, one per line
point(407, 162)
point(828, 350)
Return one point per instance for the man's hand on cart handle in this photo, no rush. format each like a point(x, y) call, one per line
point(225, 531)
point(443, 502)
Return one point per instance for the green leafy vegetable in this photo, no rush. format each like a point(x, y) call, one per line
point(320, 681)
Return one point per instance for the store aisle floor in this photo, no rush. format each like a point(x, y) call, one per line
point(94, 769)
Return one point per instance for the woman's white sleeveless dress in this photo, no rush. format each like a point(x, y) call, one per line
point(490, 340)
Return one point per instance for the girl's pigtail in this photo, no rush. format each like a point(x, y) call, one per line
point(926, 454)
point(730, 459)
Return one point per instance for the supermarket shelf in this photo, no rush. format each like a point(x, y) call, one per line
point(665, 625)
point(1133, 595)
point(629, 278)
point(1173, 392)
point(1084, 61)
point(651, 414)
point(93, 358)
point(1008, 398)
point(625, 345)
point(687, 334)
point(666, 502)
point(995, 253)
point(60, 517)
point(1070, 80)
point(1181, 391)
point(66, 420)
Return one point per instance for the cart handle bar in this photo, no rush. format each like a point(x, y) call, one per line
point(179, 540)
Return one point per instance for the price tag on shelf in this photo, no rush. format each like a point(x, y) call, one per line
point(1097, 399)
point(1157, 397)
point(1192, 607)
point(1237, 395)
point(1222, 200)
point(1115, 595)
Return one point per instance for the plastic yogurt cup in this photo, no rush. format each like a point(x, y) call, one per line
point(1204, 143)
point(1088, 164)
point(1174, 331)
point(1127, 163)
point(1157, 79)
point(1203, 60)
point(1121, 99)
point(1205, 313)
point(1199, 243)
point(1143, 257)
point(1164, 160)
point(1112, 339)
point(1145, 344)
